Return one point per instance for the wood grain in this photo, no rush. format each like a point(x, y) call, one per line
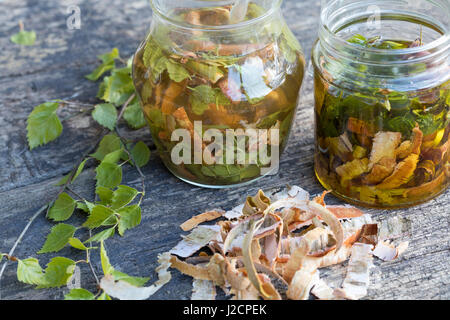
point(55, 68)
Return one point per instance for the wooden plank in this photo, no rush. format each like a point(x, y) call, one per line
point(422, 273)
point(28, 178)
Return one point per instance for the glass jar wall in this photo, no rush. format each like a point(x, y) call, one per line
point(215, 65)
point(382, 100)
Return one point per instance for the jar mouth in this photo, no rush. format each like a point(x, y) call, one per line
point(444, 39)
point(210, 28)
point(439, 46)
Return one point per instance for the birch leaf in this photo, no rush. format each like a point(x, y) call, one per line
point(43, 125)
point(106, 115)
point(59, 236)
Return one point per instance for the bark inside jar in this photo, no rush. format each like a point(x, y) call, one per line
point(382, 148)
point(228, 84)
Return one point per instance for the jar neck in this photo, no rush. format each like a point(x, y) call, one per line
point(257, 14)
point(175, 32)
point(424, 64)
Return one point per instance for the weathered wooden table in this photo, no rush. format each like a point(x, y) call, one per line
point(55, 67)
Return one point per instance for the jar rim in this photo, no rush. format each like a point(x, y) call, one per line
point(193, 27)
point(442, 41)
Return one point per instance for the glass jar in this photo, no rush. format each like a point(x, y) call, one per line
point(218, 83)
point(382, 100)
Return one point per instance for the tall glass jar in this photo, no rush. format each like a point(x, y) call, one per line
point(219, 83)
point(382, 100)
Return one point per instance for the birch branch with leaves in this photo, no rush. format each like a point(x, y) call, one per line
point(118, 207)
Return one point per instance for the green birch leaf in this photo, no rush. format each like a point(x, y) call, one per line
point(130, 62)
point(108, 269)
point(58, 272)
point(254, 11)
point(106, 265)
point(152, 52)
point(109, 143)
point(104, 91)
point(358, 39)
point(210, 72)
point(130, 217)
point(391, 45)
point(102, 236)
point(146, 92)
point(198, 106)
point(109, 175)
point(118, 87)
point(98, 216)
point(104, 296)
point(154, 59)
point(135, 281)
point(79, 294)
point(200, 98)
point(134, 116)
point(106, 115)
point(101, 89)
point(29, 271)
point(77, 244)
point(141, 154)
point(109, 56)
point(159, 66)
point(112, 221)
point(427, 124)
point(79, 170)
point(203, 96)
point(63, 208)
point(107, 64)
point(85, 206)
point(156, 118)
point(122, 196)
point(114, 156)
point(100, 70)
point(176, 71)
point(57, 239)
point(24, 38)
point(104, 194)
point(43, 125)
point(403, 124)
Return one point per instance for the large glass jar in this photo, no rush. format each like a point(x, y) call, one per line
point(382, 100)
point(219, 83)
